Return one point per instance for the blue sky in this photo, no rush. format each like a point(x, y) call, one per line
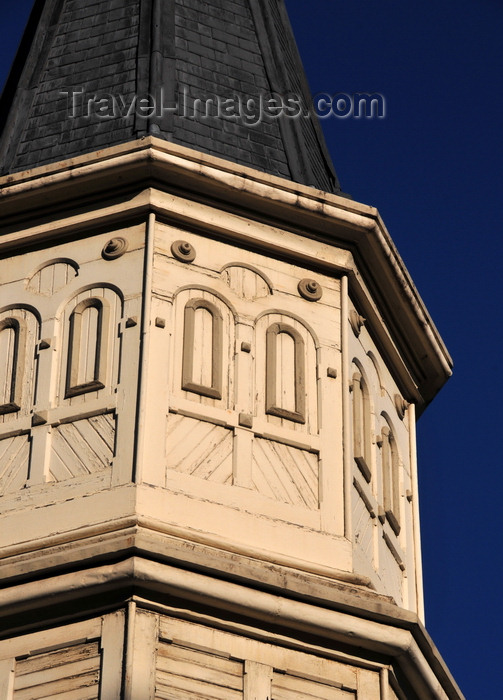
point(433, 168)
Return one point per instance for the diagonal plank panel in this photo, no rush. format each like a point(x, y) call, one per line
point(285, 473)
point(83, 447)
point(14, 463)
point(199, 448)
point(363, 527)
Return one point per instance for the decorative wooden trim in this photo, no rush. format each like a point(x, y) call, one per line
point(246, 420)
point(11, 407)
point(183, 251)
point(252, 268)
point(7, 676)
point(39, 418)
point(18, 364)
point(394, 552)
point(285, 440)
point(364, 468)
point(401, 406)
point(75, 340)
point(257, 681)
point(299, 415)
point(310, 289)
point(115, 248)
point(356, 321)
point(36, 285)
point(364, 497)
point(215, 390)
point(112, 651)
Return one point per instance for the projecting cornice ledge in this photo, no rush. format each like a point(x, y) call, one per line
point(402, 640)
point(111, 186)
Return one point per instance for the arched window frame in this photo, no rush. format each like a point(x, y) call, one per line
point(391, 478)
point(362, 443)
point(299, 415)
point(215, 390)
point(18, 364)
point(73, 388)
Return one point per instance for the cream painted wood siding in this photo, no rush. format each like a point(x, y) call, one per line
point(381, 495)
point(65, 343)
point(194, 661)
point(251, 370)
point(78, 661)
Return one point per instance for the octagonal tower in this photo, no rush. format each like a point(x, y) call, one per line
point(212, 364)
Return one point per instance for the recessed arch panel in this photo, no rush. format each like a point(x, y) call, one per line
point(362, 432)
point(285, 373)
point(87, 346)
point(52, 276)
point(18, 337)
point(390, 460)
point(246, 281)
point(202, 349)
point(91, 343)
point(202, 362)
point(12, 351)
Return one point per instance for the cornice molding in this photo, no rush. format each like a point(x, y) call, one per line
point(402, 639)
point(150, 175)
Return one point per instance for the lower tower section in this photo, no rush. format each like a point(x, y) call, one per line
point(143, 630)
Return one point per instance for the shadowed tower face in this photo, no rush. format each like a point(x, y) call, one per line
point(210, 368)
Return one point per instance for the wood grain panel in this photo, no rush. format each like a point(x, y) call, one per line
point(199, 448)
point(82, 447)
point(285, 473)
point(203, 349)
point(92, 342)
point(52, 277)
point(7, 367)
point(184, 674)
point(362, 527)
point(245, 282)
point(18, 337)
point(68, 673)
point(390, 572)
point(14, 463)
point(290, 687)
point(286, 362)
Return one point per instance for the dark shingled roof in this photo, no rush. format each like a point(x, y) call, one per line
point(95, 73)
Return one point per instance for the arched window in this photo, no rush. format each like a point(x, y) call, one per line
point(391, 478)
point(87, 347)
point(12, 363)
point(361, 425)
point(285, 373)
point(202, 363)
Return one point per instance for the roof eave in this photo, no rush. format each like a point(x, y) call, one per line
point(379, 281)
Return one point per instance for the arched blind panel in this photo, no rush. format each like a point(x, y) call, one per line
point(87, 347)
point(12, 363)
point(202, 349)
point(391, 479)
point(361, 425)
point(285, 373)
